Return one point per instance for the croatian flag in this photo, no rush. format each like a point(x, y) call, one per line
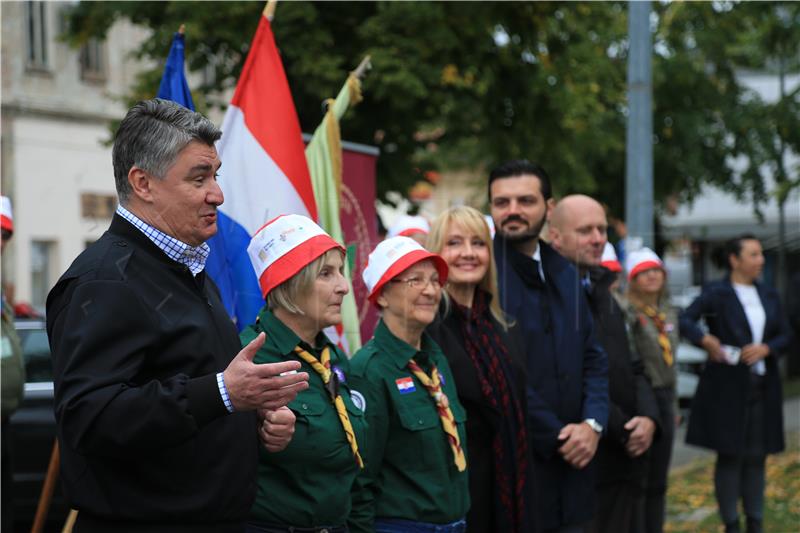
point(405, 385)
point(263, 174)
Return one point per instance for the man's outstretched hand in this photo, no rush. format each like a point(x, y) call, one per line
point(252, 386)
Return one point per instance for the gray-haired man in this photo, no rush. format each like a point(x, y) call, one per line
point(153, 393)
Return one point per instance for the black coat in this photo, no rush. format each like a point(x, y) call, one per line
point(567, 373)
point(630, 394)
point(144, 435)
point(717, 419)
point(483, 421)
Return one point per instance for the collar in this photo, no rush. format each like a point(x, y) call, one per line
point(285, 340)
point(537, 256)
point(399, 351)
point(193, 257)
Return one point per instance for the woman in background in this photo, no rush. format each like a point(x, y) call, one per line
point(653, 328)
point(737, 409)
point(488, 365)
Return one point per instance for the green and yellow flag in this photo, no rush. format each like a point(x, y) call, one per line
point(324, 157)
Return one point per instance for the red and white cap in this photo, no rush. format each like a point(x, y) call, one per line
point(641, 260)
point(393, 256)
point(407, 225)
point(609, 259)
point(6, 215)
point(284, 246)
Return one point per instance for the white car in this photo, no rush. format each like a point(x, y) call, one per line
point(690, 360)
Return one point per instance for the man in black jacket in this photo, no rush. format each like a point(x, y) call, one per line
point(578, 232)
point(154, 396)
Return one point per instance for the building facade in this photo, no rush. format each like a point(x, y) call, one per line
point(57, 104)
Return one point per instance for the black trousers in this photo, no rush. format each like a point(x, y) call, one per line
point(7, 514)
point(657, 460)
point(742, 476)
point(616, 504)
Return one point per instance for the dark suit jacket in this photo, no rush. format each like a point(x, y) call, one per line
point(717, 420)
point(144, 435)
point(630, 393)
point(567, 373)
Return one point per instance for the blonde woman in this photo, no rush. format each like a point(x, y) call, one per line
point(304, 483)
point(488, 366)
point(653, 326)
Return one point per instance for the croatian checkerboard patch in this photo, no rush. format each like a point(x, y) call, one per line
point(405, 385)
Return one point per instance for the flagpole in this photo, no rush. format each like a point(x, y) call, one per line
point(363, 67)
point(269, 9)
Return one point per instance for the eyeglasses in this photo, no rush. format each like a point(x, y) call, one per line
point(419, 283)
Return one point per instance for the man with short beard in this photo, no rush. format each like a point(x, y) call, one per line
point(578, 231)
point(567, 389)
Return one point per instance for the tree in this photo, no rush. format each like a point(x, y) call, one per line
point(467, 85)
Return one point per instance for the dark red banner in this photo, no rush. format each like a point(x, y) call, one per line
point(360, 222)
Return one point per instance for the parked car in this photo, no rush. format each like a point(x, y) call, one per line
point(33, 429)
point(690, 360)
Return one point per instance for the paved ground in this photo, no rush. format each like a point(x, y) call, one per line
point(682, 454)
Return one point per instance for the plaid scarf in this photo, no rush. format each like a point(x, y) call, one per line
point(488, 353)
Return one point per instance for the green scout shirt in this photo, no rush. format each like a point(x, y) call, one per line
point(644, 338)
point(410, 472)
point(308, 483)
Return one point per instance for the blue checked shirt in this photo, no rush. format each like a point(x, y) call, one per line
point(193, 257)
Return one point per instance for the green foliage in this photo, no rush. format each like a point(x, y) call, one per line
point(466, 85)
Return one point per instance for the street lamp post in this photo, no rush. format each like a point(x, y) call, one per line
point(639, 135)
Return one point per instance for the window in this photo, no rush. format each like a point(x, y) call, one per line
point(36, 18)
point(43, 275)
point(93, 60)
point(100, 206)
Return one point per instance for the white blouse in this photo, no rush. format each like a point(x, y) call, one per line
point(756, 318)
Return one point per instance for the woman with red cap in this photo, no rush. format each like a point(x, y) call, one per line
point(304, 484)
point(415, 478)
point(653, 327)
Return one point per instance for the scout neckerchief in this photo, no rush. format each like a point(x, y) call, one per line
point(331, 381)
point(434, 386)
point(660, 321)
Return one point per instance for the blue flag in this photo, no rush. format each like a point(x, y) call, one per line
point(173, 83)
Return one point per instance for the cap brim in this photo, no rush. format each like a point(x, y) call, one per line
point(405, 262)
point(644, 265)
point(294, 261)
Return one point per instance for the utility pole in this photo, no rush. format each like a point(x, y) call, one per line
point(639, 135)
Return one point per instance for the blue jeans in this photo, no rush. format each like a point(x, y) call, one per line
point(270, 528)
point(395, 525)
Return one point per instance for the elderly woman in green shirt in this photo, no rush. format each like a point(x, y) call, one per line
point(415, 479)
point(305, 486)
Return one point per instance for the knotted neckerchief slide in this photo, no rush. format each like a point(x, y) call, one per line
point(331, 381)
point(660, 321)
point(434, 386)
